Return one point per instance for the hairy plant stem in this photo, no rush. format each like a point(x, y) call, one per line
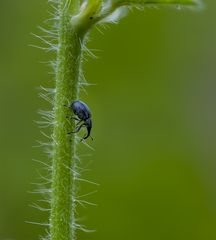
point(74, 22)
point(64, 147)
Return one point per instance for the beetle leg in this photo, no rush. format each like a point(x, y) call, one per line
point(75, 118)
point(77, 129)
point(80, 120)
point(72, 117)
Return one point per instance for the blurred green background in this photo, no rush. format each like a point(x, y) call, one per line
point(154, 124)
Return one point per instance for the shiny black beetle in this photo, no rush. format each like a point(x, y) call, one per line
point(83, 113)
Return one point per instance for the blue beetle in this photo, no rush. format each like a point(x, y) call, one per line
point(83, 113)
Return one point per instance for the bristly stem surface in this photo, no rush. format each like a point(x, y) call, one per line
point(64, 151)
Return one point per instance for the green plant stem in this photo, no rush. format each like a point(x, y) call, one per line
point(73, 25)
point(69, 54)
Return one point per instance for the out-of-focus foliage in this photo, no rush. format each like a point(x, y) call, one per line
point(154, 124)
